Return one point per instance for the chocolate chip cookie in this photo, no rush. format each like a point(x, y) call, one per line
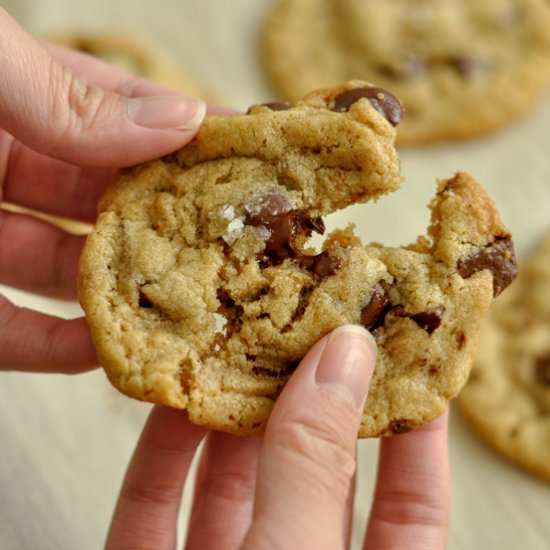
point(461, 69)
point(202, 292)
point(507, 398)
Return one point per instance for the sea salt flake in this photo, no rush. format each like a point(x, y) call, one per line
point(234, 230)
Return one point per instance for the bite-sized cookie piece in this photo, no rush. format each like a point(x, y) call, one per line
point(131, 55)
point(507, 398)
point(201, 291)
point(461, 69)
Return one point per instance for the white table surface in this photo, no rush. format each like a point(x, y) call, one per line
point(65, 441)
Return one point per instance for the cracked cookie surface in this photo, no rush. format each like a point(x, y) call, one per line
point(201, 291)
point(507, 398)
point(461, 69)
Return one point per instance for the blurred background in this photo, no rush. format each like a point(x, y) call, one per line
point(65, 441)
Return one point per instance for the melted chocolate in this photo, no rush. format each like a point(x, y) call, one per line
point(498, 258)
point(285, 225)
point(426, 320)
point(382, 100)
point(429, 320)
point(373, 314)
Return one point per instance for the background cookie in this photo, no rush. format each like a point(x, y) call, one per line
point(507, 399)
point(201, 292)
point(461, 69)
point(130, 54)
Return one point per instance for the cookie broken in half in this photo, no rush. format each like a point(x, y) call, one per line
point(201, 291)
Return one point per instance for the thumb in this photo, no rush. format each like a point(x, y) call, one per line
point(308, 457)
point(52, 110)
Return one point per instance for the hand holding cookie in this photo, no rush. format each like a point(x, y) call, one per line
point(66, 122)
point(294, 488)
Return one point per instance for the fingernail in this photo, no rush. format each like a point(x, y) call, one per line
point(167, 112)
point(346, 364)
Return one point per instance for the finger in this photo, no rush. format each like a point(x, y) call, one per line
point(411, 501)
point(224, 492)
point(147, 509)
point(54, 111)
point(308, 457)
point(52, 186)
point(35, 342)
point(38, 256)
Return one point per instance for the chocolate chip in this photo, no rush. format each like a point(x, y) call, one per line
point(373, 314)
point(400, 427)
point(321, 265)
point(285, 226)
point(542, 370)
point(426, 320)
point(413, 67)
point(465, 66)
point(429, 320)
point(273, 106)
point(498, 258)
point(315, 224)
point(382, 100)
